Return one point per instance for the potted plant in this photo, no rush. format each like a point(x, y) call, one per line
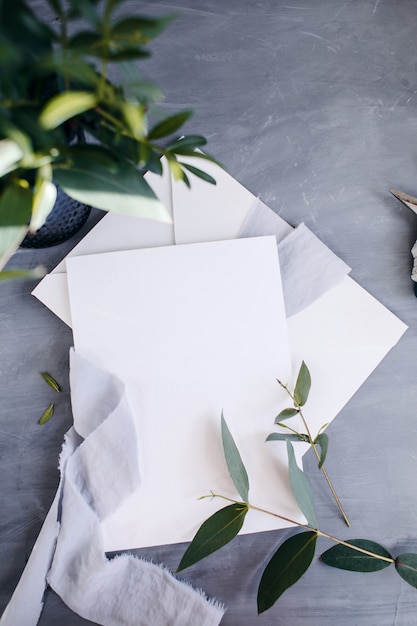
point(64, 121)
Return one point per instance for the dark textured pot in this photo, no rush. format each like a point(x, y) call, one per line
point(65, 219)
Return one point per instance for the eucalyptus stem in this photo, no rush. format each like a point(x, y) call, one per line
point(323, 469)
point(316, 452)
point(320, 533)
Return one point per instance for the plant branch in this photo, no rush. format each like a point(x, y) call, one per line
point(316, 452)
point(305, 526)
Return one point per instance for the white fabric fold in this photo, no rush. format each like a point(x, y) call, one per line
point(100, 474)
point(308, 267)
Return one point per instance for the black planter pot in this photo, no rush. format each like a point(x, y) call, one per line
point(65, 219)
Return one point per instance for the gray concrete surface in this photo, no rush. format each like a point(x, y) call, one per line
point(312, 105)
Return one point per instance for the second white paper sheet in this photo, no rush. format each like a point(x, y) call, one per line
point(192, 330)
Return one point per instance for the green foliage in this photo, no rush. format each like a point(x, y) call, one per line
point(51, 381)
point(289, 563)
point(302, 386)
point(286, 414)
point(287, 437)
point(301, 488)
point(234, 462)
point(215, 533)
point(52, 86)
point(294, 556)
point(299, 398)
point(406, 566)
point(322, 440)
point(47, 414)
point(343, 557)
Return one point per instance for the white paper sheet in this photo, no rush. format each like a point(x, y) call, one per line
point(312, 337)
point(113, 232)
point(193, 331)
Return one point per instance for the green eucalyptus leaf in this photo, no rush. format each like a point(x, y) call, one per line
point(286, 414)
point(406, 566)
point(64, 106)
point(140, 29)
point(214, 533)
point(302, 386)
point(234, 462)
point(199, 173)
point(301, 488)
point(288, 564)
point(286, 437)
point(169, 125)
point(46, 415)
point(322, 440)
point(342, 557)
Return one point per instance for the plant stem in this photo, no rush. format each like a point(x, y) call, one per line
point(306, 526)
point(316, 452)
point(323, 469)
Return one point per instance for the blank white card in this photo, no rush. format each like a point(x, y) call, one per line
point(192, 330)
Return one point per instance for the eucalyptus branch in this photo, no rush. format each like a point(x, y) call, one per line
point(294, 556)
point(319, 532)
point(299, 398)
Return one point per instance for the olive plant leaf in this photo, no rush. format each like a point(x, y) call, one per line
point(65, 105)
point(109, 184)
point(135, 118)
point(10, 155)
point(141, 29)
point(301, 488)
point(214, 533)
point(15, 209)
point(46, 415)
point(43, 203)
point(37, 272)
point(302, 386)
point(199, 173)
point(406, 566)
point(169, 125)
point(288, 564)
point(322, 440)
point(342, 557)
point(187, 144)
point(234, 462)
point(287, 437)
point(51, 381)
point(286, 414)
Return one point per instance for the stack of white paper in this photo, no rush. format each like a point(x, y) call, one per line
point(194, 329)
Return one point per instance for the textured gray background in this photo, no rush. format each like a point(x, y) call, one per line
point(312, 105)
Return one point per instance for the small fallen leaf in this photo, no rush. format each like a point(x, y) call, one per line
point(47, 414)
point(51, 381)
